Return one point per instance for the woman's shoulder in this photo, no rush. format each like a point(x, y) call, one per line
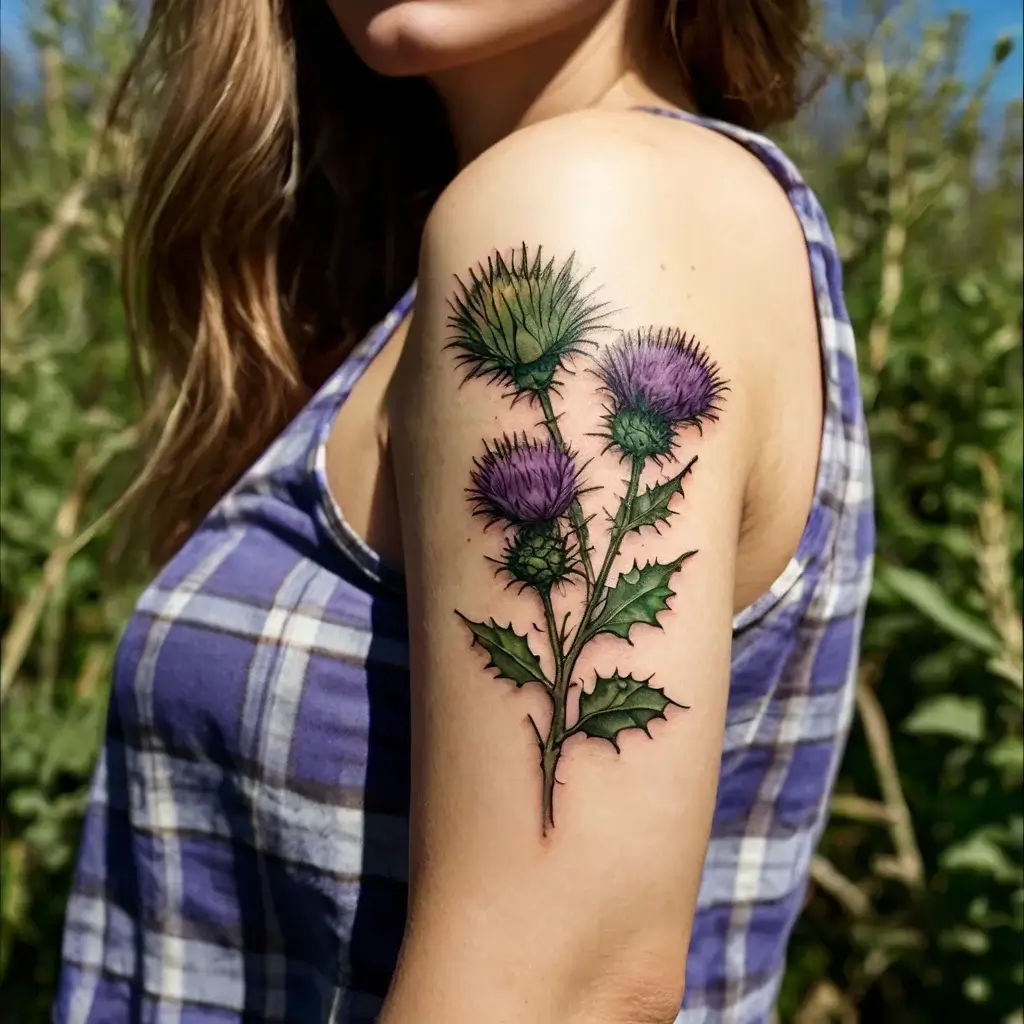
point(668, 209)
point(603, 166)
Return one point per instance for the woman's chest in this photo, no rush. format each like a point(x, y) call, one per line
point(247, 659)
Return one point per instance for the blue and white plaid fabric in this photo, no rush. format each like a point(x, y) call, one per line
point(245, 850)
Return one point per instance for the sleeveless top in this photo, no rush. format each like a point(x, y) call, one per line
point(244, 856)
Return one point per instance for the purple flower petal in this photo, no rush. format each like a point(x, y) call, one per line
point(663, 371)
point(524, 481)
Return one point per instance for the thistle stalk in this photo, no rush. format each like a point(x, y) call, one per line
point(553, 638)
point(576, 518)
point(552, 750)
point(565, 661)
point(614, 542)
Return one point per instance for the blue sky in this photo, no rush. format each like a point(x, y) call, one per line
point(988, 19)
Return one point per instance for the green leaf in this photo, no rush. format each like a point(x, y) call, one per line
point(1007, 755)
point(982, 853)
point(651, 506)
point(927, 597)
point(638, 596)
point(510, 653)
point(949, 715)
point(966, 939)
point(1002, 49)
point(620, 702)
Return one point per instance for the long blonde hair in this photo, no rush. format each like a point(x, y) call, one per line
point(282, 196)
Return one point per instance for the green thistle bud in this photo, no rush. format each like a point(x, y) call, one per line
point(641, 433)
point(518, 320)
point(538, 556)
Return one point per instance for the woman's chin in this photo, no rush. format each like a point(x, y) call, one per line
point(410, 39)
point(406, 60)
point(402, 38)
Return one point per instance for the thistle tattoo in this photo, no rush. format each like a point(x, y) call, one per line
point(522, 323)
point(518, 321)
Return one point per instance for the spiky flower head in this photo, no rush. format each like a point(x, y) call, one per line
point(522, 481)
point(657, 379)
point(518, 320)
point(539, 555)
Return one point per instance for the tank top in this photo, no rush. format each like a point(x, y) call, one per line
point(244, 854)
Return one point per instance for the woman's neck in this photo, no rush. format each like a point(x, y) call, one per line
point(584, 67)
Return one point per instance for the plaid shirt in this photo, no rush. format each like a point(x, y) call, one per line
point(245, 849)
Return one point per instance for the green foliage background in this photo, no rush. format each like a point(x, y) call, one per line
point(916, 912)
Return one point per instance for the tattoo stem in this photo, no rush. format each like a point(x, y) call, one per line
point(549, 617)
point(579, 524)
point(614, 541)
point(565, 662)
point(552, 747)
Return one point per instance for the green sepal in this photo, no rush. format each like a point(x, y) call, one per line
point(620, 702)
point(518, 319)
point(638, 596)
point(538, 556)
point(640, 433)
point(510, 653)
point(650, 507)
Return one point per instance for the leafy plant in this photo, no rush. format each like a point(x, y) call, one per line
point(918, 906)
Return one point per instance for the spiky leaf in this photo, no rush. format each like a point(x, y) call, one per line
point(651, 506)
point(620, 702)
point(639, 595)
point(509, 652)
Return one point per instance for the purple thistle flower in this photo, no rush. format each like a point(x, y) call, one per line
point(524, 481)
point(662, 371)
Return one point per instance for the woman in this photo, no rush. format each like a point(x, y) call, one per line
point(564, 563)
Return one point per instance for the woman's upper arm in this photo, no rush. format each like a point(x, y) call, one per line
point(574, 421)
